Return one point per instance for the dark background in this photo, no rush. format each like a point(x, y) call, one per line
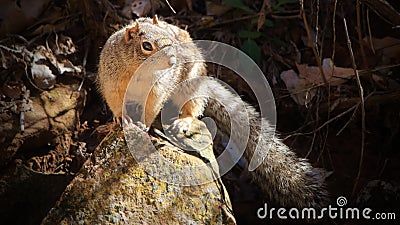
point(274, 34)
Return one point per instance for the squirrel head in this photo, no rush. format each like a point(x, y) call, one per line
point(145, 37)
point(152, 35)
point(149, 35)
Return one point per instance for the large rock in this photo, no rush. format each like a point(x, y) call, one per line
point(112, 188)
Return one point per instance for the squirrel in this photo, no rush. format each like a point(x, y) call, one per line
point(285, 178)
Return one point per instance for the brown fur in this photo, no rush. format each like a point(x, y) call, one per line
point(284, 177)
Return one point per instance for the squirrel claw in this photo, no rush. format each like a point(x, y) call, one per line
point(127, 121)
point(142, 126)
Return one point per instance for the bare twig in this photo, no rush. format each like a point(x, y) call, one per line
point(325, 124)
point(317, 28)
point(371, 45)
point(334, 33)
point(361, 72)
point(312, 43)
point(353, 108)
point(378, 98)
point(315, 133)
point(348, 122)
point(84, 61)
point(265, 8)
point(383, 9)
point(333, 53)
point(231, 21)
point(278, 17)
point(383, 168)
point(287, 14)
point(359, 33)
point(361, 93)
point(169, 5)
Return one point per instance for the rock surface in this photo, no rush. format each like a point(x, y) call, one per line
point(112, 188)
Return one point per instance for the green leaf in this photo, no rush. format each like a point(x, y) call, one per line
point(249, 34)
point(237, 4)
point(269, 23)
point(280, 43)
point(251, 48)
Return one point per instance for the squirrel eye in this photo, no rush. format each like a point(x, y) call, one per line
point(147, 46)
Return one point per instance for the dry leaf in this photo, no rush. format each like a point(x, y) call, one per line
point(141, 7)
point(215, 9)
point(301, 87)
point(44, 64)
point(334, 75)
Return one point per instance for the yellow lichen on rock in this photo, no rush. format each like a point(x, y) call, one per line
point(112, 188)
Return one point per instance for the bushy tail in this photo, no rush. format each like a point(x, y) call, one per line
point(287, 179)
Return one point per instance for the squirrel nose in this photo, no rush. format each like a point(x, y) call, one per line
point(172, 61)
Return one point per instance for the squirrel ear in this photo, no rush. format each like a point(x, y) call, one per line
point(130, 31)
point(155, 20)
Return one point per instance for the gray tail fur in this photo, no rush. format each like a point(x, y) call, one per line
point(287, 179)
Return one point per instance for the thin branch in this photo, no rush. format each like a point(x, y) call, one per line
point(312, 43)
point(359, 33)
point(333, 53)
point(371, 45)
point(278, 17)
point(169, 5)
point(327, 122)
point(361, 93)
point(334, 33)
point(317, 28)
point(230, 21)
point(348, 122)
point(361, 72)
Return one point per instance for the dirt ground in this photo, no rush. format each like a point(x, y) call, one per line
point(53, 118)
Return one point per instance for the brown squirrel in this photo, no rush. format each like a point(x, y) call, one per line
point(289, 180)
